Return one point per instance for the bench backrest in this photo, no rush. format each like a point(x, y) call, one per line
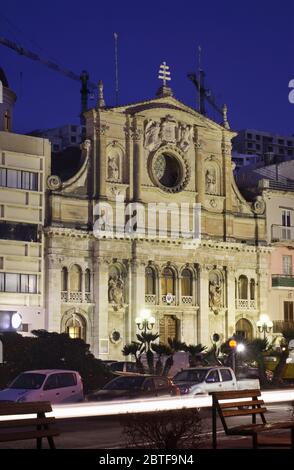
point(35, 407)
point(238, 403)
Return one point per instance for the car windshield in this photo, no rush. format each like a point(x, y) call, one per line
point(29, 381)
point(195, 376)
point(125, 383)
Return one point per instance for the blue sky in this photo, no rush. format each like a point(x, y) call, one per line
point(247, 54)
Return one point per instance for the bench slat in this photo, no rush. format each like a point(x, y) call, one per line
point(253, 411)
point(256, 428)
point(241, 403)
point(25, 408)
point(18, 436)
point(26, 422)
point(236, 394)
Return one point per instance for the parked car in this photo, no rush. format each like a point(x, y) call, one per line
point(198, 380)
point(54, 385)
point(123, 366)
point(135, 386)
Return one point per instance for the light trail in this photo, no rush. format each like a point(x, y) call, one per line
point(115, 408)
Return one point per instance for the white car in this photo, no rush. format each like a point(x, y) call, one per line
point(54, 385)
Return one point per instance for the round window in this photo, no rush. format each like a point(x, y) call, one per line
point(168, 170)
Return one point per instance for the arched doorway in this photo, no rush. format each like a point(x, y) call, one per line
point(244, 329)
point(168, 328)
point(75, 326)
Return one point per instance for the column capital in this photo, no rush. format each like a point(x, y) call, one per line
point(101, 128)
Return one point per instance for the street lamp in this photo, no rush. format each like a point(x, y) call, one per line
point(264, 325)
point(145, 322)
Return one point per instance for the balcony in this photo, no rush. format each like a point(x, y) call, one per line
point(75, 297)
point(150, 299)
point(168, 299)
point(283, 280)
point(280, 325)
point(280, 233)
point(187, 300)
point(245, 304)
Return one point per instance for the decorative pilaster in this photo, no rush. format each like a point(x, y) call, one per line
point(136, 136)
point(100, 298)
point(101, 130)
point(53, 294)
point(203, 313)
point(138, 292)
point(231, 302)
point(199, 173)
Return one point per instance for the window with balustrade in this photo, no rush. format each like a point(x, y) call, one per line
point(186, 283)
point(168, 282)
point(75, 278)
point(64, 279)
point(150, 281)
point(243, 288)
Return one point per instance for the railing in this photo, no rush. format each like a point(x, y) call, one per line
point(150, 299)
point(187, 299)
point(76, 297)
point(280, 325)
point(245, 304)
point(281, 233)
point(283, 280)
point(168, 299)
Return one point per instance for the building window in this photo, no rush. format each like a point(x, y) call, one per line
point(73, 128)
point(150, 281)
point(287, 265)
point(168, 282)
point(257, 137)
point(243, 287)
point(75, 327)
point(64, 280)
point(75, 278)
point(252, 289)
point(73, 139)
point(288, 311)
point(270, 148)
point(249, 136)
point(19, 231)
point(280, 141)
point(249, 145)
point(186, 283)
point(289, 143)
point(286, 218)
point(281, 151)
point(258, 146)
point(19, 179)
point(18, 283)
point(87, 281)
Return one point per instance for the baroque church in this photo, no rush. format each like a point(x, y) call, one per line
point(162, 152)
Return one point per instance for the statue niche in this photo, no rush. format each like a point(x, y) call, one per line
point(114, 160)
point(116, 290)
point(215, 292)
point(210, 181)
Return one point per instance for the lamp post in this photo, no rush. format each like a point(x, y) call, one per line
point(145, 322)
point(264, 325)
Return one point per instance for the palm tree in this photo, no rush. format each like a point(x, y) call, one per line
point(175, 346)
point(135, 349)
point(146, 340)
point(161, 350)
point(195, 355)
point(256, 350)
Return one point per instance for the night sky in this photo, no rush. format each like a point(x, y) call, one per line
point(247, 54)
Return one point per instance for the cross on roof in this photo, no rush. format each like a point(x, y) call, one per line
point(164, 73)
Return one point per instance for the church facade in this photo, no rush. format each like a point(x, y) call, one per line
point(157, 153)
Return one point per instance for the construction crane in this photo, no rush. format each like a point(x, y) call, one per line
point(204, 93)
point(87, 87)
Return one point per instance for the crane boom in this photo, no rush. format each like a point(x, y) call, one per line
point(86, 85)
point(203, 93)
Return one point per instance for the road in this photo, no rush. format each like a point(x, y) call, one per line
point(106, 432)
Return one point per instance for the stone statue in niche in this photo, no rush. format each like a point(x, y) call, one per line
point(116, 290)
point(210, 181)
point(215, 294)
point(185, 136)
point(113, 167)
point(152, 139)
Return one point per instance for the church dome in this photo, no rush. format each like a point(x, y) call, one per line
point(3, 78)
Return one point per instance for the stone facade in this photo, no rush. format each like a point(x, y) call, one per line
point(157, 151)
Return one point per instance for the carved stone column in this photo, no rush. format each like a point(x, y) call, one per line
point(53, 293)
point(203, 312)
point(136, 135)
point(199, 173)
point(102, 163)
point(138, 292)
point(100, 298)
point(231, 302)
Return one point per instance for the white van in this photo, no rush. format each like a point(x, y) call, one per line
point(54, 385)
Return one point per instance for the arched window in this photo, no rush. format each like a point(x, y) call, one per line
point(150, 287)
point(243, 287)
point(75, 327)
point(64, 280)
point(7, 121)
point(87, 280)
point(252, 289)
point(186, 282)
point(75, 279)
point(168, 282)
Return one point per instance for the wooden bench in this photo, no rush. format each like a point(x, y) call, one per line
point(228, 405)
point(36, 427)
